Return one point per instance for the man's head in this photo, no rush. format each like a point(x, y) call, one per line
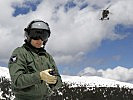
point(37, 30)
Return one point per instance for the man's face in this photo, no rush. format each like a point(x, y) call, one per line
point(36, 43)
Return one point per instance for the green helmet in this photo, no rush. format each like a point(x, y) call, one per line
point(37, 29)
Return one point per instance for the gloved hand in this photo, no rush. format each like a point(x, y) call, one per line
point(45, 76)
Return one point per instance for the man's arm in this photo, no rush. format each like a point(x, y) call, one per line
point(17, 69)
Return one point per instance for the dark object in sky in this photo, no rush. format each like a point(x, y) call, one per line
point(105, 14)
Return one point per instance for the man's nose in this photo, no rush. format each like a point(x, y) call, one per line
point(39, 40)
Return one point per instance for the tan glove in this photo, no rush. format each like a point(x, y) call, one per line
point(45, 76)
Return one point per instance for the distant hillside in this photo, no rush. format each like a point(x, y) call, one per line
point(77, 88)
point(4, 72)
point(91, 80)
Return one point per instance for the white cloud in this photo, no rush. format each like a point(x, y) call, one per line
point(89, 71)
point(118, 73)
point(74, 33)
point(122, 10)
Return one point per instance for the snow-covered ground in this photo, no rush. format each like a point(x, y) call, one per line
point(92, 81)
point(4, 72)
point(82, 80)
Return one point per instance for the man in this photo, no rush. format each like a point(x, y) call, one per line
point(33, 71)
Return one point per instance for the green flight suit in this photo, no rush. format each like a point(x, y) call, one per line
point(25, 66)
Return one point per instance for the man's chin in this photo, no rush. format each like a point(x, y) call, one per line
point(37, 47)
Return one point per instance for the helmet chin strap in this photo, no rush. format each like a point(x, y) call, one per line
point(44, 43)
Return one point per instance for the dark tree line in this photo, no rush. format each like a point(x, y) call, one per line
point(5, 89)
point(84, 92)
point(80, 92)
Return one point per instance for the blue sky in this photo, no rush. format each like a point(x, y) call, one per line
point(108, 45)
point(24, 10)
point(110, 54)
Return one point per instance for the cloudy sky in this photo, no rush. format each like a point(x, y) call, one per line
point(79, 41)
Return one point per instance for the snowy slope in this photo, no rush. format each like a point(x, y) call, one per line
point(82, 80)
point(4, 72)
point(94, 81)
